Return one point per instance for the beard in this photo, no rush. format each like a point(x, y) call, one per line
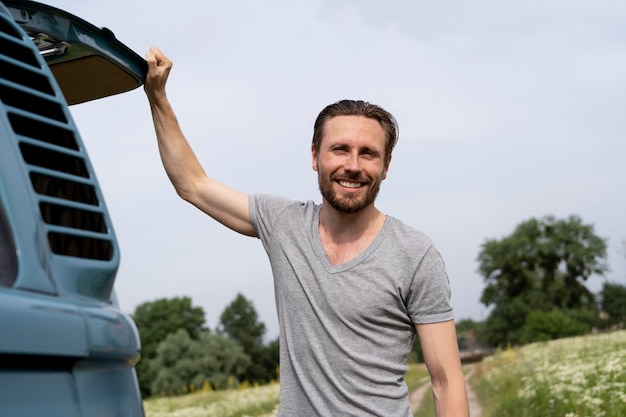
point(347, 203)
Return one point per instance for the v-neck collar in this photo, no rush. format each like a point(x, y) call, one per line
point(321, 253)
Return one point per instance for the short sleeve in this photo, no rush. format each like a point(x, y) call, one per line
point(265, 209)
point(429, 296)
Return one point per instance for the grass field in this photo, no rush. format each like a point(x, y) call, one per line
point(574, 377)
point(250, 402)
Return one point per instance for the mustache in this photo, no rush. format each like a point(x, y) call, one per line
point(356, 177)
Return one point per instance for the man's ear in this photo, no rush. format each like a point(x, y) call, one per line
point(314, 158)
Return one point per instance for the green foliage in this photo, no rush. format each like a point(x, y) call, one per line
point(179, 354)
point(183, 364)
point(239, 321)
point(589, 316)
point(541, 266)
point(467, 325)
point(613, 302)
point(417, 354)
point(504, 324)
point(264, 368)
point(541, 326)
point(155, 320)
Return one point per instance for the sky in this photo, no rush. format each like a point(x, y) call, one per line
point(507, 111)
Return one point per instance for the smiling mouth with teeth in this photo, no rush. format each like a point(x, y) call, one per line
point(350, 184)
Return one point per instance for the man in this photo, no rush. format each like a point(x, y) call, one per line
point(353, 286)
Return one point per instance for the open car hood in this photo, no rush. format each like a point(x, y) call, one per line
point(88, 62)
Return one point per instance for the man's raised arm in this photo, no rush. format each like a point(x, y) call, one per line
point(224, 204)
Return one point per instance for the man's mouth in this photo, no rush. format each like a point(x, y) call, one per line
point(350, 184)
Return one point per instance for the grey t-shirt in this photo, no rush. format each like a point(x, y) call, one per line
point(346, 330)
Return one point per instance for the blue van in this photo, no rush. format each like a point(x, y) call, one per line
point(66, 348)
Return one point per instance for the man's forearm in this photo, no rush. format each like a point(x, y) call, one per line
point(450, 399)
point(180, 162)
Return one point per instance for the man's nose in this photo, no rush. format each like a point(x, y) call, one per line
point(353, 163)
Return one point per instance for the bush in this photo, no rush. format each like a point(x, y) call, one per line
point(541, 326)
point(183, 364)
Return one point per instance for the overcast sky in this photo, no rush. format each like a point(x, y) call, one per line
point(507, 110)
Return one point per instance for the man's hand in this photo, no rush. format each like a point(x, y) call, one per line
point(159, 67)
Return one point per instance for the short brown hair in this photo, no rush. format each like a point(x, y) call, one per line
point(358, 108)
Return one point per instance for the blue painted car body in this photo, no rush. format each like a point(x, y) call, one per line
point(66, 348)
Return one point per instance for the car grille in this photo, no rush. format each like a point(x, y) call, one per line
point(56, 163)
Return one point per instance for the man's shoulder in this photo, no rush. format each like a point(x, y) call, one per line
point(407, 232)
point(275, 201)
point(405, 241)
point(276, 207)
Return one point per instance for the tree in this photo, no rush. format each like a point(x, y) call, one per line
point(541, 326)
point(613, 299)
point(541, 266)
point(613, 302)
point(183, 364)
point(240, 322)
point(155, 320)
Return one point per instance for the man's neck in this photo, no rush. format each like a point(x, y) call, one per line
point(345, 227)
point(345, 235)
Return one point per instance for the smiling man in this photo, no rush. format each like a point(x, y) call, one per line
point(357, 167)
point(353, 286)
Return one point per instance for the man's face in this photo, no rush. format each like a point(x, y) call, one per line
point(350, 162)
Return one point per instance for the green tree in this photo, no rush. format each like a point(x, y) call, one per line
point(155, 320)
point(240, 322)
point(613, 302)
point(542, 265)
point(541, 326)
point(183, 364)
